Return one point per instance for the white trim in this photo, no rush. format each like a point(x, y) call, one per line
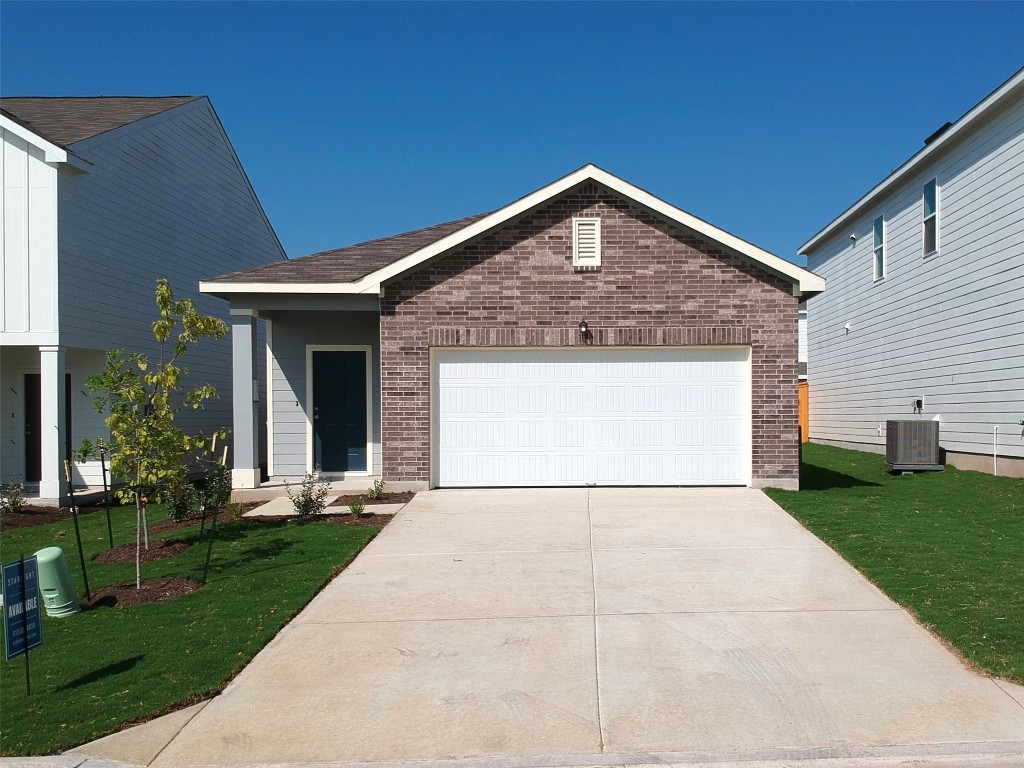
point(29, 338)
point(52, 153)
point(911, 166)
point(934, 215)
point(207, 286)
point(434, 407)
point(371, 283)
point(883, 247)
point(269, 335)
point(368, 351)
point(244, 312)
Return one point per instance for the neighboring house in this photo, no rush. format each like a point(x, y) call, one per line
point(801, 357)
point(926, 296)
point(588, 333)
point(101, 197)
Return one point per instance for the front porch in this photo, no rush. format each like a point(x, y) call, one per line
point(48, 410)
point(321, 393)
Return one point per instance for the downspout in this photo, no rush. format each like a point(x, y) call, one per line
point(995, 450)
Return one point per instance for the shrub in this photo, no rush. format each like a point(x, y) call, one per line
point(311, 497)
point(12, 497)
point(377, 491)
point(183, 501)
point(357, 508)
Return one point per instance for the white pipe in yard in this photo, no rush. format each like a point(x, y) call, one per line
point(995, 450)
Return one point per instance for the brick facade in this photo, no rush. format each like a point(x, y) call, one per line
point(657, 285)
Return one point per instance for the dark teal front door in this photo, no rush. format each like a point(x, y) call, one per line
point(339, 411)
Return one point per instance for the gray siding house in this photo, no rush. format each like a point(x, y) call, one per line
point(926, 296)
point(101, 197)
point(588, 333)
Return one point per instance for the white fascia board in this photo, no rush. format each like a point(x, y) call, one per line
point(53, 153)
point(912, 165)
point(804, 280)
point(284, 287)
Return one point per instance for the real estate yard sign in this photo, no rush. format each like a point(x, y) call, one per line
point(23, 629)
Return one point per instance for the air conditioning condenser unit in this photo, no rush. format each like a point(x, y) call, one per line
point(912, 446)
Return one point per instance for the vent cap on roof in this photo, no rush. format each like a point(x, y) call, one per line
point(938, 133)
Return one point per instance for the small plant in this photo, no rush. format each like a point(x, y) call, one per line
point(183, 501)
point(12, 498)
point(217, 491)
point(357, 508)
point(311, 498)
point(376, 493)
point(237, 509)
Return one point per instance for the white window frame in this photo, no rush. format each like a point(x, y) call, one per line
point(577, 259)
point(932, 217)
point(878, 263)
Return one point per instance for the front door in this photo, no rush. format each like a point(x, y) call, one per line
point(339, 410)
point(34, 425)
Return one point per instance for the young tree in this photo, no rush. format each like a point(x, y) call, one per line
point(142, 398)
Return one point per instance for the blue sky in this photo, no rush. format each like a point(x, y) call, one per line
point(358, 120)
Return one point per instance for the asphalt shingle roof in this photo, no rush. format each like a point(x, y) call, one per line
point(349, 264)
point(65, 120)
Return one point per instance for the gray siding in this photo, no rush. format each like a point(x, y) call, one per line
point(165, 197)
point(948, 328)
point(290, 333)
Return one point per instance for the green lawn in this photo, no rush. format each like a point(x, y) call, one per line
point(948, 546)
point(110, 666)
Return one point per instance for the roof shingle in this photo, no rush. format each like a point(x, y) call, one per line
point(349, 264)
point(65, 120)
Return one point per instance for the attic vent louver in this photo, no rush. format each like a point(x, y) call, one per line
point(586, 243)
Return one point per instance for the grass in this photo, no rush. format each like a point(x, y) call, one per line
point(948, 546)
point(111, 666)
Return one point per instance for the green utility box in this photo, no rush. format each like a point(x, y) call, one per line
point(55, 583)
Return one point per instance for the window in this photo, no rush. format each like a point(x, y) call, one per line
point(930, 227)
point(879, 258)
point(586, 243)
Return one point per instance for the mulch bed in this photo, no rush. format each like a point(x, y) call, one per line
point(158, 550)
point(32, 515)
point(404, 497)
point(378, 520)
point(151, 591)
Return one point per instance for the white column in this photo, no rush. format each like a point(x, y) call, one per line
point(245, 433)
point(52, 396)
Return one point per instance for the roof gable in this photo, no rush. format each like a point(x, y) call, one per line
point(66, 120)
point(477, 226)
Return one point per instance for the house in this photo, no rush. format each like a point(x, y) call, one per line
point(587, 333)
point(803, 386)
point(101, 197)
point(924, 316)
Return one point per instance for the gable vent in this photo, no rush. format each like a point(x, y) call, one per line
point(586, 242)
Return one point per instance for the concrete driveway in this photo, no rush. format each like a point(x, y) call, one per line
point(596, 622)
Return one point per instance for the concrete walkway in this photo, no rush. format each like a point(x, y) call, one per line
point(596, 627)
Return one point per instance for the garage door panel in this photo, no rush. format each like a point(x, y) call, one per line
point(572, 417)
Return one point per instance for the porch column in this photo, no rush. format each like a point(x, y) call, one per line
point(244, 399)
point(52, 423)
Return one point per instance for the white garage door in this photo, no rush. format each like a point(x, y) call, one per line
point(648, 416)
